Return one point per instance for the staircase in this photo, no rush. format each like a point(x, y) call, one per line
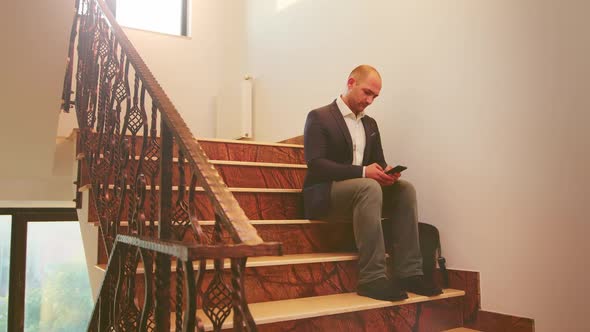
point(203, 234)
point(311, 287)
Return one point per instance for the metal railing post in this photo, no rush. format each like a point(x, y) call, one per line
point(162, 304)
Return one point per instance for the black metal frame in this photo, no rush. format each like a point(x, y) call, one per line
point(18, 255)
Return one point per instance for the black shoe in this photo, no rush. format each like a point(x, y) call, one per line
point(381, 289)
point(420, 285)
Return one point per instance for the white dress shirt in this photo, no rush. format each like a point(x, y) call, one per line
point(357, 131)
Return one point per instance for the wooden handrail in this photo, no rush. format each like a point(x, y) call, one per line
point(194, 252)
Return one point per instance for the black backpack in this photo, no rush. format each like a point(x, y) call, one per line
point(432, 253)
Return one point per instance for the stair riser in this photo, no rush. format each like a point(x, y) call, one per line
point(271, 283)
point(422, 317)
point(310, 238)
point(302, 280)
point(492, 321)
point(240, 152)
point(304, 238)
point(262, 177)
point(296, 239)
point(257, 206)
point(250, 152)
point(469, 282)
point(236, 176)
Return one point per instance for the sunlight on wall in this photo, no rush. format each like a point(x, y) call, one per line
point(153, 15)
point(284, 4)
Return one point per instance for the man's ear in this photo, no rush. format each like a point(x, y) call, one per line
point(351, 82)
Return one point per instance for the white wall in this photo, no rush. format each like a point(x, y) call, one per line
point(195, 71)
point(198, 70)
point(34, 37)
point(485, 101)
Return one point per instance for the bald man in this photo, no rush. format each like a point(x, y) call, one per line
point(346, 182)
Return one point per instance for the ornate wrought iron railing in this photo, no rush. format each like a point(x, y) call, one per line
point(129, 136)
point(123, 306)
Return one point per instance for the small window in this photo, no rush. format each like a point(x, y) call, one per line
point(5, 231)
point(165, 16)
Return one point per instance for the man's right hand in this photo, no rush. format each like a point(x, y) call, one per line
point(375, 172)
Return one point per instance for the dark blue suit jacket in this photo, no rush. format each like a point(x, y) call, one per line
point(328, 154)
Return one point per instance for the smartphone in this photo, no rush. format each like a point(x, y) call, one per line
point(396, 169)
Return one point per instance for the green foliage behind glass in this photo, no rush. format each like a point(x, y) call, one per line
point(64, 302)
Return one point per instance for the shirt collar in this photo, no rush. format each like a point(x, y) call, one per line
point(345, 110)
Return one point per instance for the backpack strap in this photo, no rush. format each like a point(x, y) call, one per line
point(442, 264)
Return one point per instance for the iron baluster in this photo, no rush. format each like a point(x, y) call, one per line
point(164, 230)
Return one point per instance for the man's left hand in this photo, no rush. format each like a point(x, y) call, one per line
point(394, 177)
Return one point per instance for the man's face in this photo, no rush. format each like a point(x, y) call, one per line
point(363, 92)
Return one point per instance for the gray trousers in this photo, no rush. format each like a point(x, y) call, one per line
point(364, 202)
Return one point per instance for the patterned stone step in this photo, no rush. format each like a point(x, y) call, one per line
point(284, 277)
point(237, 174)
point(350, 312)
point(297, 236)
point(274, 278)
point(261, 175)
point(222, 149)
point(257, 203)
point(253, 151)
point(301, 236)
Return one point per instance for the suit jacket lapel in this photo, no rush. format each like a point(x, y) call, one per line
point(368, 139)
point(342, 125)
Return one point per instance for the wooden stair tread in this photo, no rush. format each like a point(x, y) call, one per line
point(309, 307)
point(272, 260)
point(253, 222)
point(221, 140)
point(254, 164)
